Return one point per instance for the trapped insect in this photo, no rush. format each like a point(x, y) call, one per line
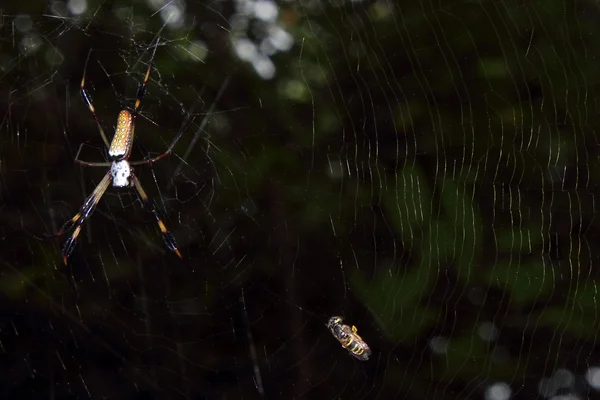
point(120, 173)
point(349, 338)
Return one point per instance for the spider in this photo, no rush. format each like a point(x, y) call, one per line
point(120, 173)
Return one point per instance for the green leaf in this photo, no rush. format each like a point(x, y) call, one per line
point(527, 282)
point(394, 300)
point(465, 221)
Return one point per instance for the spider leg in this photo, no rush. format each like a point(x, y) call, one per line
point(86, 209)
point(90, 164)
point(153, 159)
point(88, 101)
point(167, 236)
point(178, 136)
point(142, 89)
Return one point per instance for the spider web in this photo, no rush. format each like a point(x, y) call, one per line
point(426, 170)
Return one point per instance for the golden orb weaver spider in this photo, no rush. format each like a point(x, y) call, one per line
point(121, 172)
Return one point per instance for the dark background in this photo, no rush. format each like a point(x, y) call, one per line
point(428, 170)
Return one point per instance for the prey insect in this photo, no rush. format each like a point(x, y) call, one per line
point(120, 174)
point(349, 338)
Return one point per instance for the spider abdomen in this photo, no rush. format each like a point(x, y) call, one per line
point(120, 146)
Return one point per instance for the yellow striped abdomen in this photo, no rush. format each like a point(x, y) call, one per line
point(120, 147)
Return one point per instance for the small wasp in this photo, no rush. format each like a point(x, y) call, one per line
point(349, 338)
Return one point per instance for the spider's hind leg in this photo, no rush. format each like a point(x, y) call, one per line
point(167, 236)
